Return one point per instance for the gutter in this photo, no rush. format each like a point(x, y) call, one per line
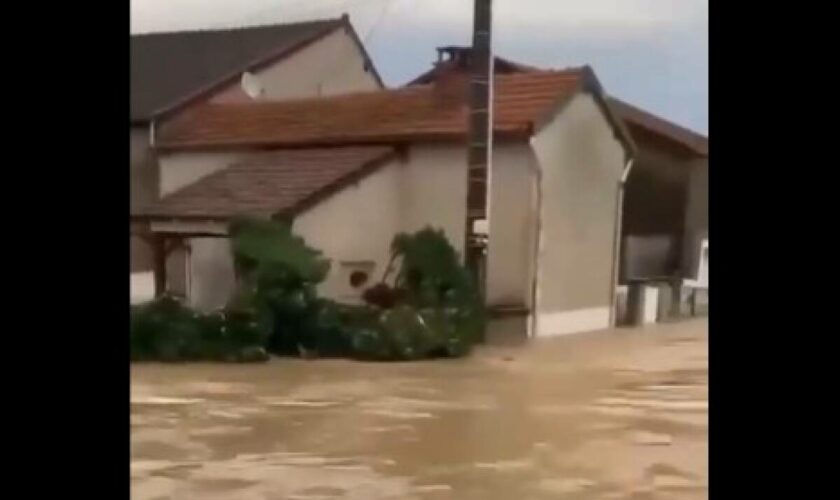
point(619, 218)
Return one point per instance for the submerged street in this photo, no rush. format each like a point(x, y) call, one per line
point(621, 414)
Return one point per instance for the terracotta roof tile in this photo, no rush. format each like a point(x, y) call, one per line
point(430, 112)
point(270, 183)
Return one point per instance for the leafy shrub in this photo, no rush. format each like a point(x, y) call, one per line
point(431, 310)
point(166, 330)
point(279, 274)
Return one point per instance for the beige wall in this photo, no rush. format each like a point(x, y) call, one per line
point(429, 189)
point(581, 164)
point(697, 214)
point(434, 191)
point(512, 226)
point(354, 227)
point(332, 65)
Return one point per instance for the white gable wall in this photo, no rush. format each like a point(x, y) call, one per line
point(428, 188)
point(581, 164)
point(356, 224)
point(512, 226)
point(434, 191)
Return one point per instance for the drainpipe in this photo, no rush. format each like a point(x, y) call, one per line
point(537, 242)
point(619, 218)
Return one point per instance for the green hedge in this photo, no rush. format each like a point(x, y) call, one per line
point(431, 310)
point(165, 330)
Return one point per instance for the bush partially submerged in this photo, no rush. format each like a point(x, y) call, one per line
point(166, 330)
point(431, 310)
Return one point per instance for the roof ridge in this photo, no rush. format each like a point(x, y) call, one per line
point(325, 21)
point(406, 90)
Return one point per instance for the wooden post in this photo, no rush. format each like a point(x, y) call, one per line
point(479, 146)
point(158, 242)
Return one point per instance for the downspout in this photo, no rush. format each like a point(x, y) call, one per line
point(537, 242)
point(619, 218)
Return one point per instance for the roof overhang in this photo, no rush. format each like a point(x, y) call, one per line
point(589, 84)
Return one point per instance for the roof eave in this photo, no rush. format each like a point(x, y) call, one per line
point(502, 134)
point(592, 85)
point(688, 139)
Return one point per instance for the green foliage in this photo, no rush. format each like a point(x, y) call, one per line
point(165, 330)
point(270, 253)
point(279, 274)
point(432, 309)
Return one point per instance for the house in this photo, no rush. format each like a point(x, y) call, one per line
point(665, 202)
point(666, 197)
point(173, 72)
point(351, 171)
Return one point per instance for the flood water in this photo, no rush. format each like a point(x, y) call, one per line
point(614, 415)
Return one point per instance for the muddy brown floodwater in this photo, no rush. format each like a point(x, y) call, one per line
point(612, 415)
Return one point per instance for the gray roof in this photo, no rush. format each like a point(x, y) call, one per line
point(169, 68)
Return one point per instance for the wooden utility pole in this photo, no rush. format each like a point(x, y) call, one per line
point(480, 139)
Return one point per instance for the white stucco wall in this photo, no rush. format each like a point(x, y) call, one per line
point(512, 226)
point(357, 224)
point(434, 191)
point(332, 65)
point(581, 164)
point(353, 226)
point(429, 189)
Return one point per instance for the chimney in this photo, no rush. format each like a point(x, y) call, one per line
point(455, 56)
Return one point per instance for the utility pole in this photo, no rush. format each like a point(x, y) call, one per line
point(480, 141)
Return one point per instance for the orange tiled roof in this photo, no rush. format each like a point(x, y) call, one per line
point(427, 112)
point(270, 183)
